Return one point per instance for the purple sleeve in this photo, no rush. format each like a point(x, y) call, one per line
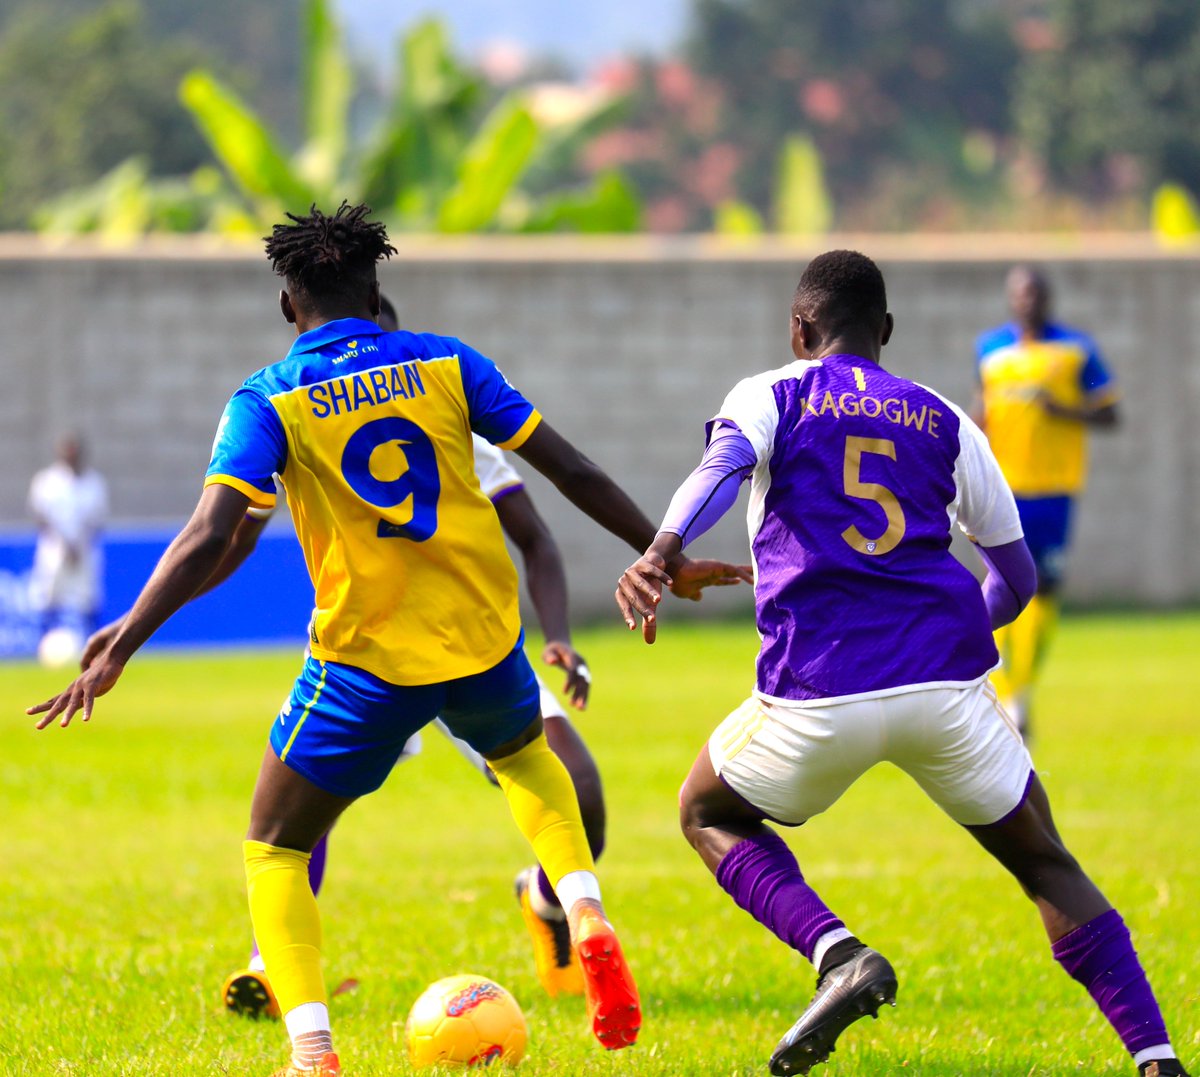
point(1011, 580)
point(710, 491)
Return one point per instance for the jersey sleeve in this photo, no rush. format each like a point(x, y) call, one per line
point(250, 448)
point(987, 510)
point(498, 412)
point(751, 407)
point(1094, 378)
point(496, 475)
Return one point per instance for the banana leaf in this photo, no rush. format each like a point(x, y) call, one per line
point(244, 146)
point(490, 167)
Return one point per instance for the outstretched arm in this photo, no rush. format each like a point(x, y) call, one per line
point(587, 487)
point(245, 538)
point(705, 496)
point(185, 567)
point(546, 580)
point(1103, 416)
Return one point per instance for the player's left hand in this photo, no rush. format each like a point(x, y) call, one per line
point(690, 577)
point(579, 678)
point(80, 694)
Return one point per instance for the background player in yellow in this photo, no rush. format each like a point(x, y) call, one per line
point(415, 600)
point(1042, 384)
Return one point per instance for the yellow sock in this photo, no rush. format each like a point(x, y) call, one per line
point(1029, 636)
point(543, 803)
point(286, 922)
point(1000, 677)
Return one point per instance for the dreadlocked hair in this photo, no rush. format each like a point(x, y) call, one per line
point(329, 257)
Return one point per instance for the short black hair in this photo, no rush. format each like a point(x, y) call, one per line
point(840, 290)
point(329, 257)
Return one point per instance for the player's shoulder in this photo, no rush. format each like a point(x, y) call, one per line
point(421, 345)
point(766, 380)
point(998, 336)
point(1061, 333)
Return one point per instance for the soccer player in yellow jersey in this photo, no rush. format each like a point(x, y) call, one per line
point(416, 600)
point(1042, 385)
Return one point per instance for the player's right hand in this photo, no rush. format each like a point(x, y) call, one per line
point(639, 591)
point(80, 694)
point(99, 641)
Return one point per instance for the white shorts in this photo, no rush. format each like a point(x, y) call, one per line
point(791, 762)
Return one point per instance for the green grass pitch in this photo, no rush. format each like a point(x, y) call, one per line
point(122, 902)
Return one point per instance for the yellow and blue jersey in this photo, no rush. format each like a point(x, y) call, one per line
point(1040, 454)
point(370, 435)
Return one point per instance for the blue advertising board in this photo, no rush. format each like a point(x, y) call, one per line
point(267, 602)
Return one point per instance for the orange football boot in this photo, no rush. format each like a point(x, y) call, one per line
point(329, 1066)
point(553, 955)
point(248, 994)
point(612, 996)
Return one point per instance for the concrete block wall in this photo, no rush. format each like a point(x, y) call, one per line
point(627, 347)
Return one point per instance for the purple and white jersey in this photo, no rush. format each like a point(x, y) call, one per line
point(860, 476)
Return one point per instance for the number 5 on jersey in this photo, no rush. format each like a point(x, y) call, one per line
point(873, 491)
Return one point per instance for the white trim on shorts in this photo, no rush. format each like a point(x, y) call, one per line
point(793, 761)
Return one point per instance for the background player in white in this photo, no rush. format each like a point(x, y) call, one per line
point(69, 502)
point(876, 645)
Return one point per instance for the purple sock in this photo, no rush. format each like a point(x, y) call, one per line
point(316, 865)
point(316, 875)
point(762, 876)
point(542, 882)
point(1100, 955)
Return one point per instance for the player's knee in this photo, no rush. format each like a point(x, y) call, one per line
point(692, 817)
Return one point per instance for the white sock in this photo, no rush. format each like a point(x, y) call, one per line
point(827, 940)
point(1159, 1053)
point(307, 1017)
point(575, 886)
point(308, 1027)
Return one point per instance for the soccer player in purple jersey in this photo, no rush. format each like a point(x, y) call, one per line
point(876, 645)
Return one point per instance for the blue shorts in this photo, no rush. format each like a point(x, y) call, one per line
point(343, 728)
point(1046, 522)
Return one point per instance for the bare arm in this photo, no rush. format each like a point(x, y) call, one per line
point(1105, 416)
point(586, 486)
point(545, 577)
point(546, 581)
point(185, 567)
point(245, 538)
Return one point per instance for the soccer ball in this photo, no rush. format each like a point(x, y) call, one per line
point(61, 646)
point(465, 1020)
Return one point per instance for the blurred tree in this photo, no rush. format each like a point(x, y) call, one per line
point(431, 164)
point(890, 92)
point(78, 99)
point(1110, 103)
point(256, 42)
